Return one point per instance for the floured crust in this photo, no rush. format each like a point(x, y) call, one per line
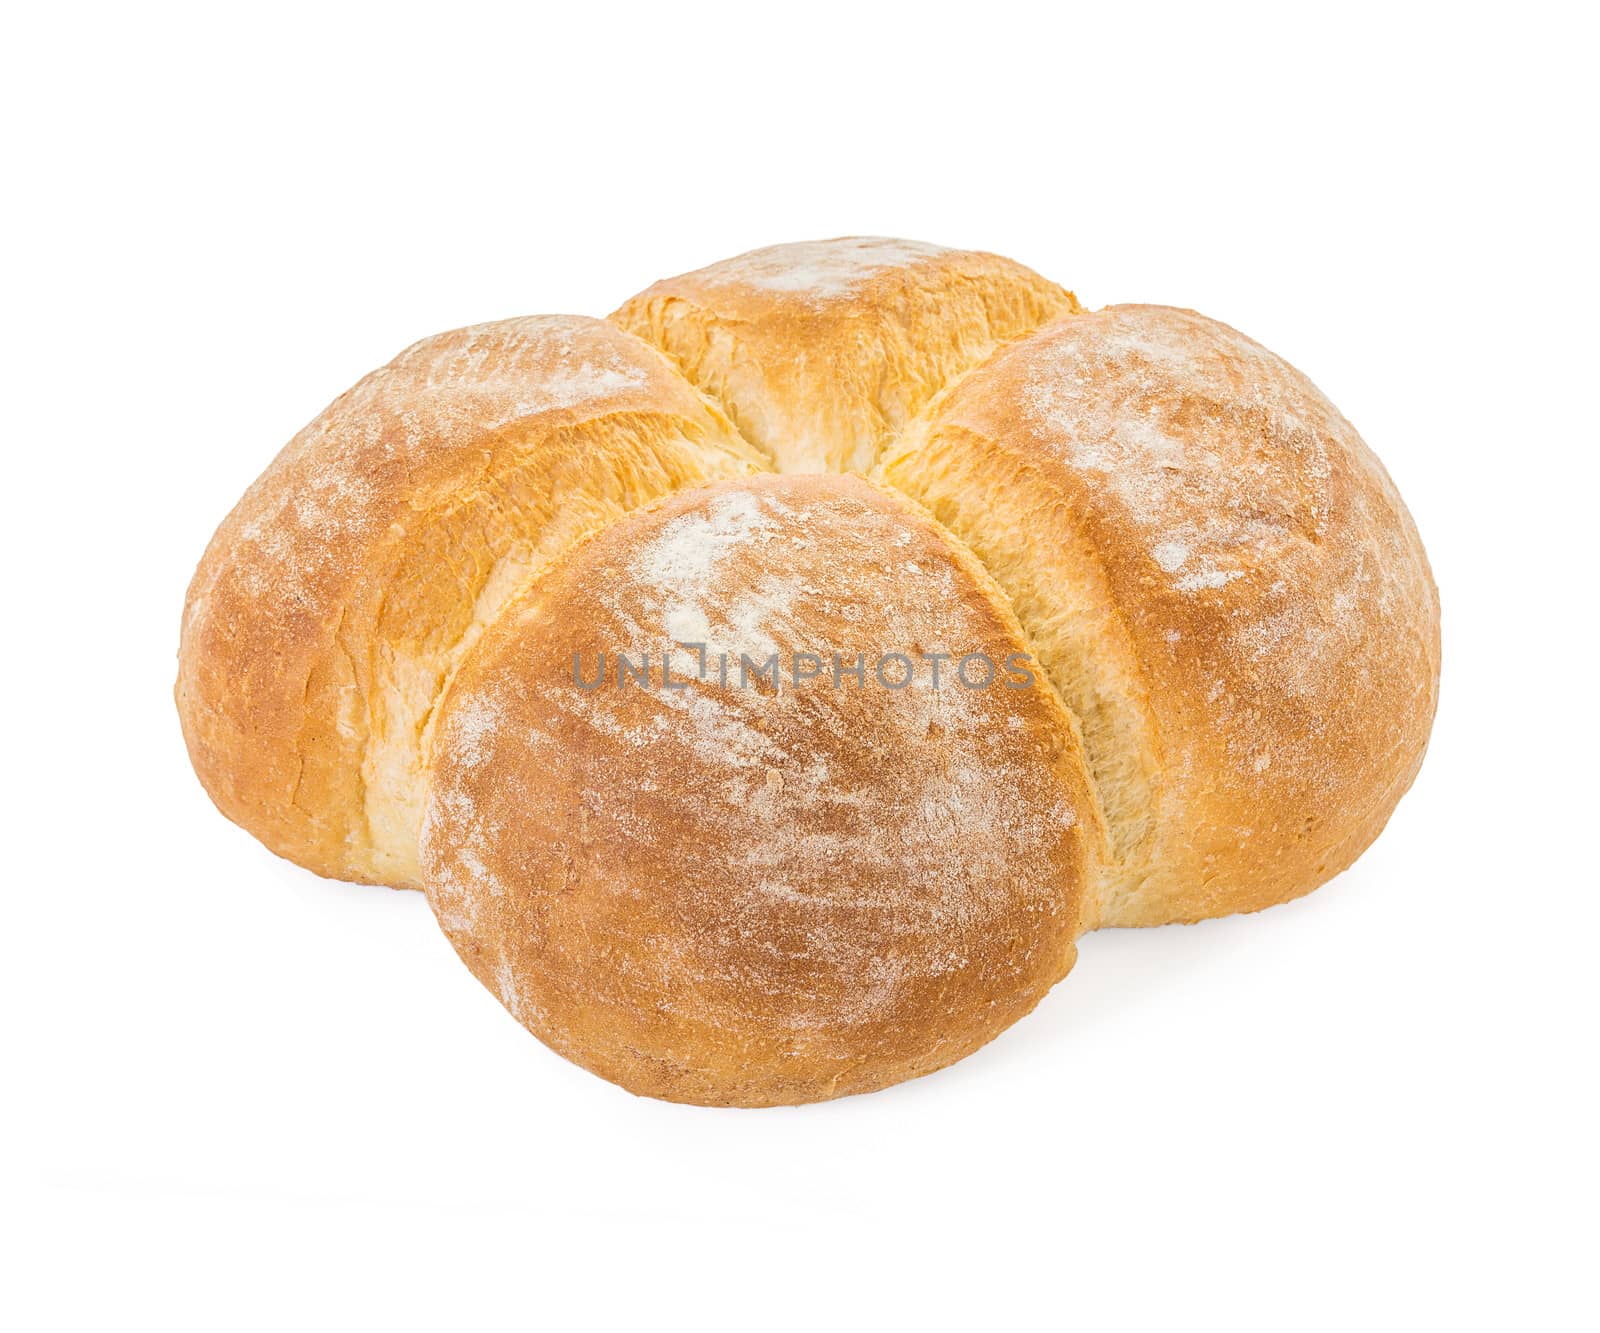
point(1229, 590)
point(785, 893)
point(334, 601)
point(822, 351)
point(749, 896)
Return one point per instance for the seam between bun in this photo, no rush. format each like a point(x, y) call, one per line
point(715, 403)
point(527, 578)
point(1119, 836)
point(1102, 848)
point(713, 395)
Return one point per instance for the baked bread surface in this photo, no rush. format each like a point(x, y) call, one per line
point(752, 896)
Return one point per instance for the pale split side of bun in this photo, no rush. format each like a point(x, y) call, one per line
point(336, 599)
point(766, 892)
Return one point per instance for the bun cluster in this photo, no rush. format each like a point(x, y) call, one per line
point(770, 683)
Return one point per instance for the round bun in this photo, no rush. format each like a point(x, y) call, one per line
point(429, 647)
point(822, 352)
point(758, 888)
point(339, 595)
point(1224, 584)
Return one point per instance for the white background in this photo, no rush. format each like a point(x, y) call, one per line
point(243, 1097)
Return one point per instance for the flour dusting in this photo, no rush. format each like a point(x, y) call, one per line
point(845, 850)
point(821, 270)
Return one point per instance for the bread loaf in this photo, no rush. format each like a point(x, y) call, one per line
point(525, 620)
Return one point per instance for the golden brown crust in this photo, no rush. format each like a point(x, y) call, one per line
point(1225, 583)
point(753, 896)
point(334, 601)
point(822, 351)
point(776, 895)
